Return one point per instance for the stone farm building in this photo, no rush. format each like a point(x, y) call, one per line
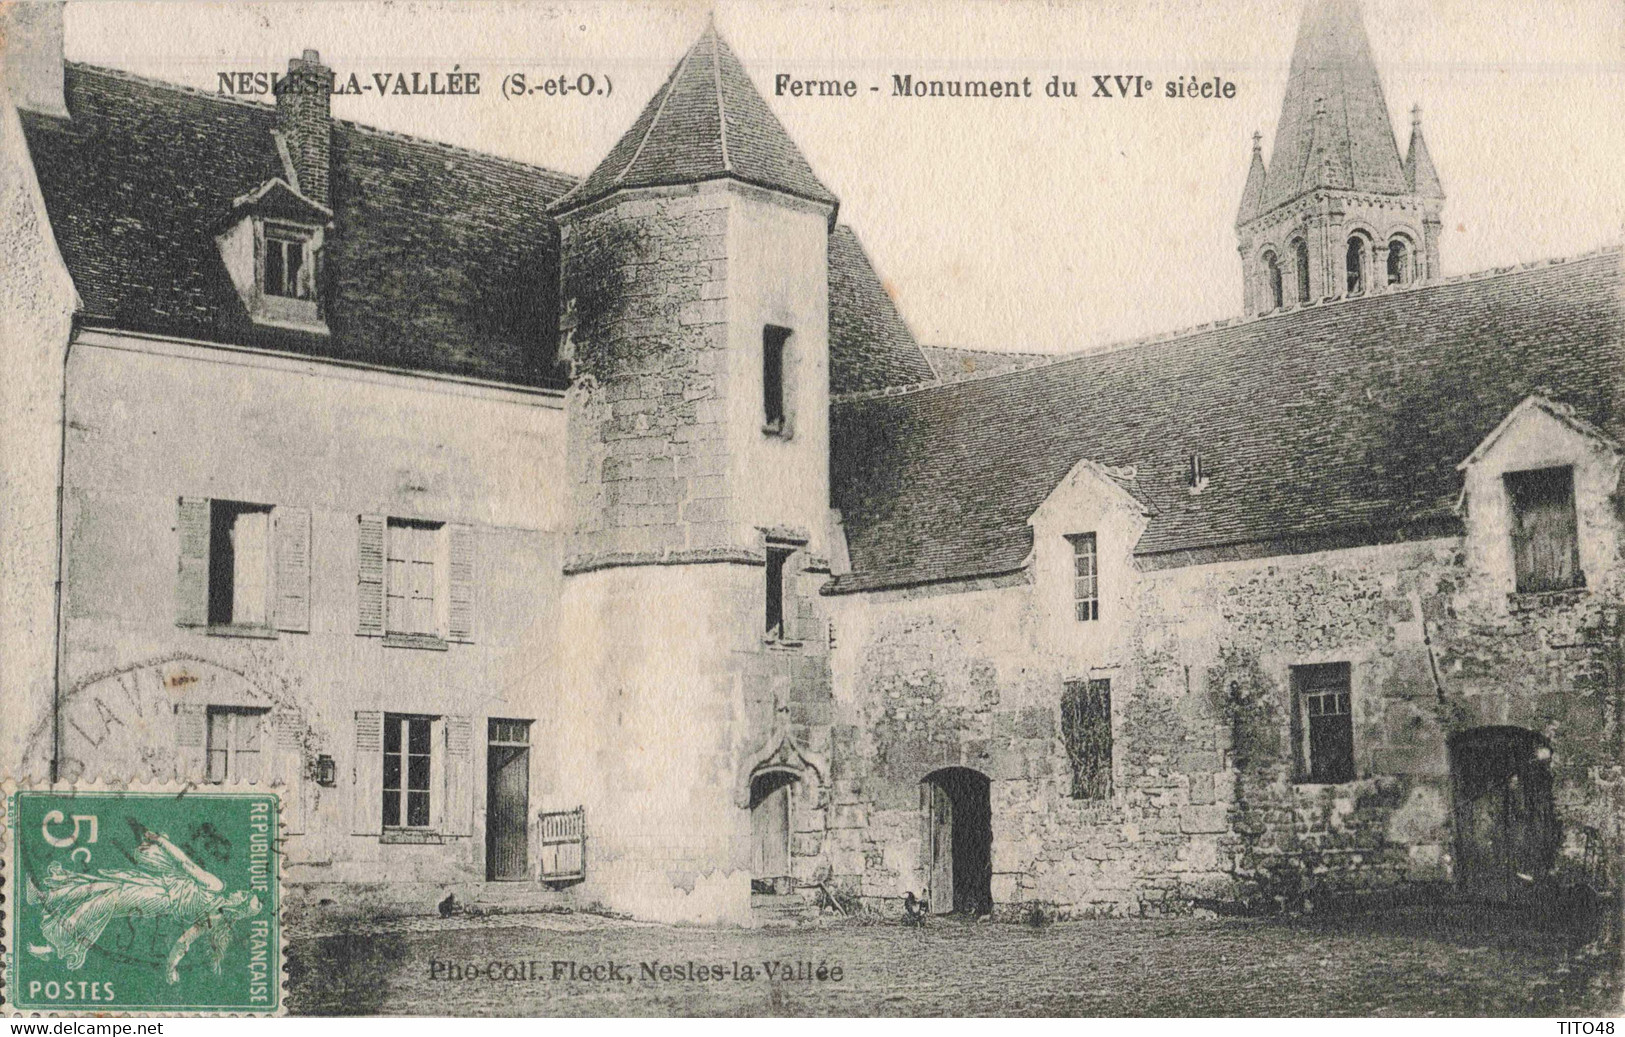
point(615, 534)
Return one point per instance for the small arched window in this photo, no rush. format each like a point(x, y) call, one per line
point(1272, 280)
point(1300, 250)
point(1399, 261)
point(1356, 264)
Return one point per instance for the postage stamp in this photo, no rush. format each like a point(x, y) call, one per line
point(142, 900)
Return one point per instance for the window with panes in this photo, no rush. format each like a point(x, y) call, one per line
point(1085, 576)
point(235, 739)
point(408, 742)
point(412, 585)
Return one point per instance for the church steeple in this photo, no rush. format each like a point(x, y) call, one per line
point(1337, 212)
point(1420, 176)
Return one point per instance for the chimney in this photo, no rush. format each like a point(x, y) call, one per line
point(31, 55)
point(304, 116)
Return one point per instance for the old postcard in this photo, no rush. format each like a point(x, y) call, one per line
point(852, 509)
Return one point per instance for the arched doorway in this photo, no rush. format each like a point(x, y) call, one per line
point(772, 806)
point(958, 840)
point(1506, 826)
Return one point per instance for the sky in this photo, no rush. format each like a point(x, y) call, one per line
point(1031, 225)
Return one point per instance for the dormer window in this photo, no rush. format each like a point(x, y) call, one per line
point(289, 270)
point(271, 244)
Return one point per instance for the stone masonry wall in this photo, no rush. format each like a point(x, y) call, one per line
point(647, 279)
point(1205, 809)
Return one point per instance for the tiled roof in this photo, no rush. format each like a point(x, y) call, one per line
point(870, 348)
point(1346, 418)
point(1334, 129)
point(706, 122)
point(440, 259)
point(956, 363)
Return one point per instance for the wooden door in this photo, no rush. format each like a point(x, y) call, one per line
point(507, 801)
point(1506, 832)
point(770, 831)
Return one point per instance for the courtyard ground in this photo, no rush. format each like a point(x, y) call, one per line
point(1416, 961)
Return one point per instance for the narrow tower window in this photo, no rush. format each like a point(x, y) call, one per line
point(774, 343)
point(1300, 250)
point(777, 560)
point(1356, 264)
point(1399, 262)
point(1272, 274)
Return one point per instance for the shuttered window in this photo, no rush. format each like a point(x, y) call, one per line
point(415, 581)
point(408, 756)
point(243, 566)
point(1545, 537)
point(412, 578)
point(235, 750)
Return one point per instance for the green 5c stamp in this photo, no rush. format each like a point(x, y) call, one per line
point(136, 901)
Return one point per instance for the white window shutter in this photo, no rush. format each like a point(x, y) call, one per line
point(191, 741)
point(292, 562)
point(367, 788)
point(370, 576)
point(288, 767)
point(458, 815)
point(460, 583)
point(192, 579)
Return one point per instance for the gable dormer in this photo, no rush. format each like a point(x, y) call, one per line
point(272, 245)
point(1538, 499)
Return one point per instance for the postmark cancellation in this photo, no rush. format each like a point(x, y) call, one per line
point(161, 899)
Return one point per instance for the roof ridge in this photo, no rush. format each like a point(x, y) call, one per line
point(1213, 325)
point(995, 352)
point(666, 91)
point(260, 106)
point(722, 102)
point(164, 84)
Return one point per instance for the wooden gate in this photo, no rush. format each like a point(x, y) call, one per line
point(564, 844)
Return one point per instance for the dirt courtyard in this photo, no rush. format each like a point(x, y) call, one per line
point(1447, 961)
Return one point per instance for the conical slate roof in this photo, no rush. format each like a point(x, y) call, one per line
point(707, 122)
point(1419, 172)
point(1334, 129)
point(1252, 196)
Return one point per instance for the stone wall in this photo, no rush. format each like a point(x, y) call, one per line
point(646, 281)
point(1207, 809)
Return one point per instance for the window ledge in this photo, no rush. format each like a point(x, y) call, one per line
point(1529, 601)
point(775, 642)
point(428, 641)
point(411, 837)
point(777, 429)
point(1305, 785)
point(238, 630)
